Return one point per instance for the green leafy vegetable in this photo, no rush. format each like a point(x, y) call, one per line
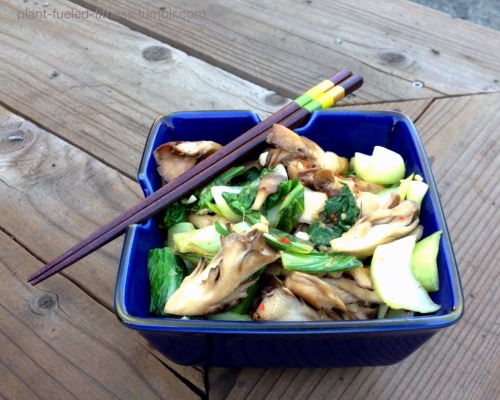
point(318, 262)
point(205, 194)
point(320, 234)
point(250, 175)
point(276, 198)
point(221, 230)
point(342, 210)
point(166, 272)
point(174, 214)
point(292, 206)
point(241, 203)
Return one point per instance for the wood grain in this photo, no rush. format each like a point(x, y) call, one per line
point(288, 45)
point(52, 195)
point(102, 92)
point(58, 343)
point(462, 139)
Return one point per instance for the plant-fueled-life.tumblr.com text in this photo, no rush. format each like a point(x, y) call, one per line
point(128, 14)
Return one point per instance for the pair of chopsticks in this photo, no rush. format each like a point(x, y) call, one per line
point(322, 96)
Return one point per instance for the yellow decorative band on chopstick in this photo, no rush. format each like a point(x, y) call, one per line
point(314, 92)
point(327, 99)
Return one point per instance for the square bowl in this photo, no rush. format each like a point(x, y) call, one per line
point(287, 344)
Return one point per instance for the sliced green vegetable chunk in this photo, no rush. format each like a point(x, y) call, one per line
point(385, 312)
point(204, 242)
point(229, 316)
point(401, 189)
point(166, 273)
point(384, 166)
point(318, 262)
point(284, 241)
point(392, 313)
point(177, 228)
point(417, 191)
point(393, 279)
point(424, 261)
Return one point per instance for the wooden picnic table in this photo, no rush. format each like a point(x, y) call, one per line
point(81, 82)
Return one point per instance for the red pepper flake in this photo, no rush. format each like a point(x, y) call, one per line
point(334, 218)
point(262, 306)
point(401, 218)
point(284, 240)
point(340, 176)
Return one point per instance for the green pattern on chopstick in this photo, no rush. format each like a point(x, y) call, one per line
point(326, 100)
point(335, 94)
point(314, 92)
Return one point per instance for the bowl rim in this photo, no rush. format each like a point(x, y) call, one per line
point(406, 324)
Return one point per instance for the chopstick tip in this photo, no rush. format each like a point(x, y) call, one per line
point(352, 83)
point(340, 76)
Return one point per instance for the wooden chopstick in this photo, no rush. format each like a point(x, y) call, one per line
point(323, 95)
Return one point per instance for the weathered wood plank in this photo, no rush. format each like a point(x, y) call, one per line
point(101, 85)
point(462, 139)
point(288, 45)
point(411, 108)
point(58, 343)
point(52, 195)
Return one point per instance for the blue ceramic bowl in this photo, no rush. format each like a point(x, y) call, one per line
point(286, 344)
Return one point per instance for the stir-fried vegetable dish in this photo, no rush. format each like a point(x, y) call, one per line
point(299, 234)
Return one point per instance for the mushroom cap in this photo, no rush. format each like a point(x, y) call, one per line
point(175, 158)
point(367, 296)
point(361, 276)
point(224, 281)
point(315, 291)
point(280, 304)
point(268, 185)
point(204, 220)
point(299, 153)
point(380, 227)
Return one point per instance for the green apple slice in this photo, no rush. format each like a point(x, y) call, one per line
point(424, 261)
point(417, 191)
point(383, 167)
point(393, 279)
